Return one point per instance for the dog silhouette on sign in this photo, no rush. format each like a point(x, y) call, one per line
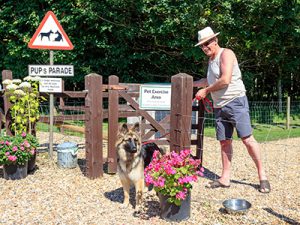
point(46, 34)
point(59, 37)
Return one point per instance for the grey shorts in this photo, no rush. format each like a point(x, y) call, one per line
point(233, 115)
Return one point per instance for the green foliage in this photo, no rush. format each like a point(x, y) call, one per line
point(25, 100)
point(17, 149)
point(147, 40)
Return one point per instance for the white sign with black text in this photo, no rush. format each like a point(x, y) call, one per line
point(155, 97)
point(50, 85)
point(51, 70)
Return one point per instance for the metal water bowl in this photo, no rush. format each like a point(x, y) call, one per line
point(236, 206)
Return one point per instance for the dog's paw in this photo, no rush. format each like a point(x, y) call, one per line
point(125, 205)
point(138, 209)
point(145, 189)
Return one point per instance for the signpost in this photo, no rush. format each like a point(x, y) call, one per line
point(50, 35)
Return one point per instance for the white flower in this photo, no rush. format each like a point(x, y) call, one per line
point(11, 87)
point(25, 85)
point(28, 78)
point(36, 78)
point(19, 92)
point(7, 82)
point(16, 81)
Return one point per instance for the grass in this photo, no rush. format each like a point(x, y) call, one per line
point(264, 133)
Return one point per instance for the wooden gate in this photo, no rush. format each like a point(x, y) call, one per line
point(176, 127)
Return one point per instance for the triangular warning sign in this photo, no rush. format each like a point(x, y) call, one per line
point(50, 35)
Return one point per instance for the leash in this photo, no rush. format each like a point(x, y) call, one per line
point(208, 106)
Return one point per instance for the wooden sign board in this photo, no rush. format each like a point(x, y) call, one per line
point(51, 70)
point(155, 97)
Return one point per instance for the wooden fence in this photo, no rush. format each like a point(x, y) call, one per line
point(176, 127)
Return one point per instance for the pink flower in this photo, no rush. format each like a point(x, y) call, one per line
point(32, 151)
point(12, 158)
point(169, 170)
point(23, 134)
point(173, 173)
point(181, 195)
point(160, 182)
point(26, 144)
point(7, 153)
point(148, 179)
point(15, 148)
point(22, 148)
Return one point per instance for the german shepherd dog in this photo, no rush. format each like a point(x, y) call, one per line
point(133, 157)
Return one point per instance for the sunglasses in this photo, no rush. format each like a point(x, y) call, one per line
point(207, 43)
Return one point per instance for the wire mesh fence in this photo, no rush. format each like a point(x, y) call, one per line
point(262, 113)
point(267, 113)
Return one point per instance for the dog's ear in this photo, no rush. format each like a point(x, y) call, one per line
point(136, 127)
point(123, 128)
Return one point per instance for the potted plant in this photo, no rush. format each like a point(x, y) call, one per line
point(172, 176)
point(25, 107)
point(15, 151)
point(25, 103)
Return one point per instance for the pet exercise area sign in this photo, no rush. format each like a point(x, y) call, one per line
point(156, 97)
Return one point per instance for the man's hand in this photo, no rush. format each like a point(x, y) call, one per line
point(202, 93)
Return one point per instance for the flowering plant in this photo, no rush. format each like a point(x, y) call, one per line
point(17, 149)
point(172, 174)
point(25, 99)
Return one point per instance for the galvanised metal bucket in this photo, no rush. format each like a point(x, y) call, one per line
point(67, 155)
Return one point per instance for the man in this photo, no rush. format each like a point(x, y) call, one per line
point(224, 83)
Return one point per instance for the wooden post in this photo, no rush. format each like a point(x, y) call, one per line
point(288, 112)
point(113, 126)
point(7, 74)
point(181, 112)
point(93, 126)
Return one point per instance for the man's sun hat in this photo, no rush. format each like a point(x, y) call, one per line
point(205, 35)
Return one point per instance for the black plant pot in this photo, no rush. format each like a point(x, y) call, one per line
point(15, 172)
point(172, 212)
point(31, 163)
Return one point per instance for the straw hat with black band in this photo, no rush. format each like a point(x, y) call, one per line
point(205, 35)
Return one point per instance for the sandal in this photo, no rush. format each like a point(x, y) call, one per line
point(264, 186)
point(217, 184)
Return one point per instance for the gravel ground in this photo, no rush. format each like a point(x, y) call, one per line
point(65, 196)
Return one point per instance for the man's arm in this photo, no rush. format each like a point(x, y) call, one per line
point(200, 83)
point(226, 66)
